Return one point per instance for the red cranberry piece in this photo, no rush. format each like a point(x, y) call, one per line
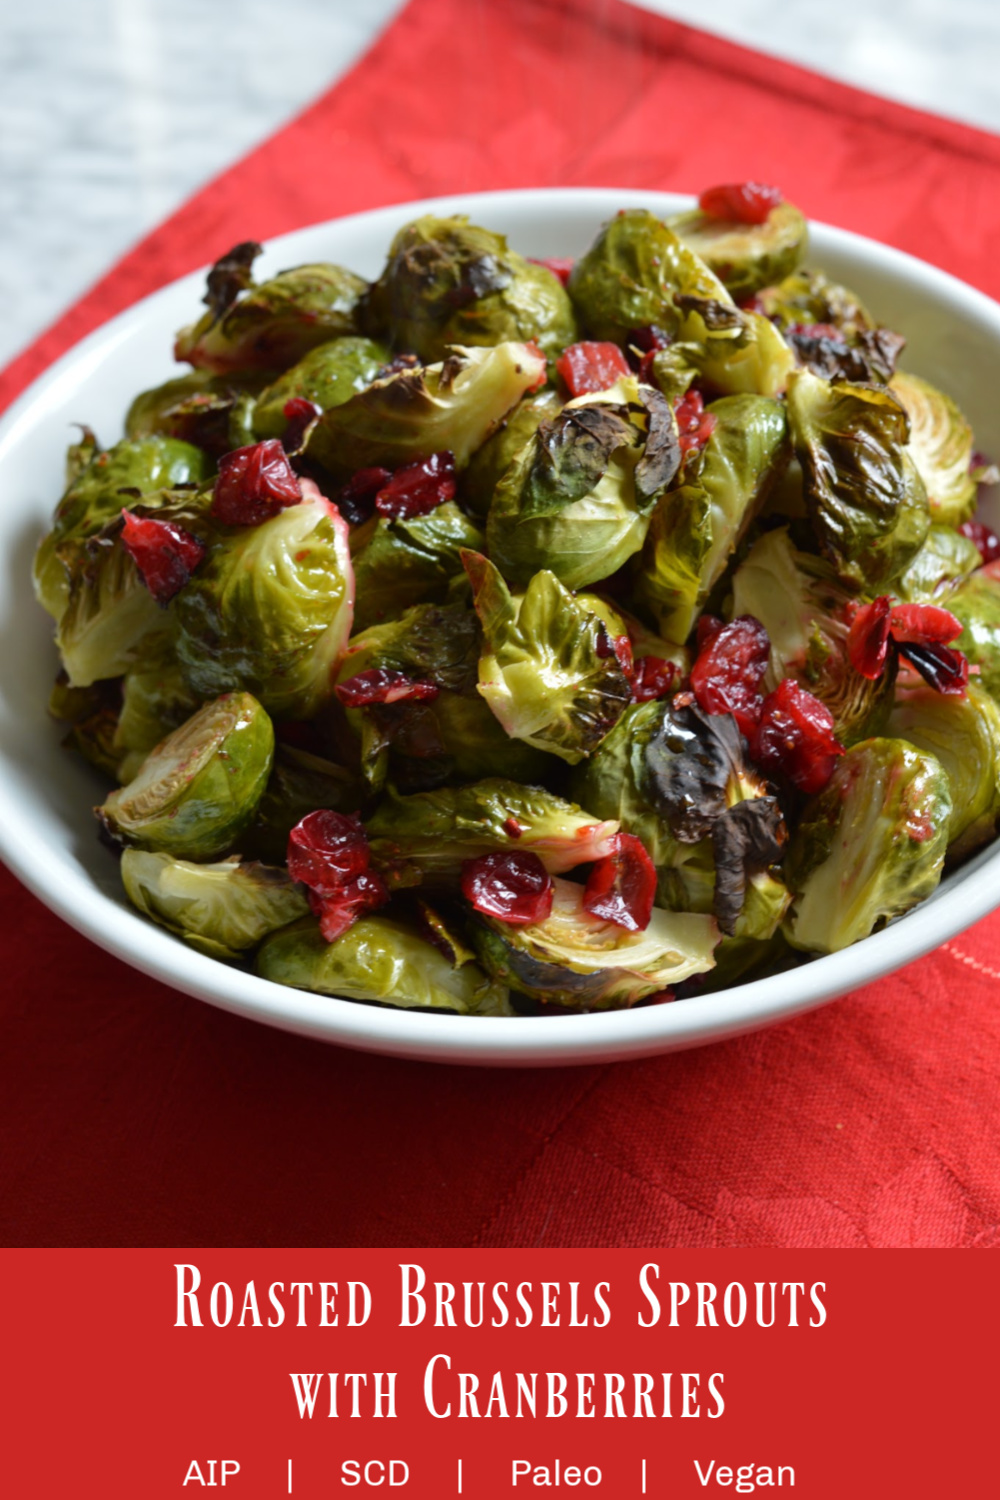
point(166, 555)
point(946, 670)
point(561, 266)
point(356, 498)
point(707, 629)
point(727, 675)
point(694, 424)
point(382, 685)
point(589, 367)
point(254, 484)
point(365, 893)
point(654, 678)
point(300, 415)
point(817, 331)
point(419, 487)
point(743, 202)
point(644, 345)
point(621, 887)
point(923, 625)
point(326, 850)
point(513, 886)
point(795, 738)
point(620, 648)
point(512, 828)
point(985, 539)
point(868, 637)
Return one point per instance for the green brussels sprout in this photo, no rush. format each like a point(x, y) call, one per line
point(411, 561)
point(490, 463)
point(866, 499)
point(449, 282)
point(300, 783)
point(940, 446)
point(197, 791)
point(869, 846)
point(577, 498)
point(578, 960)
point(382, 960)
point(100, 484)
point(426, 837)
point(454, 406)
point(110, 618)
point(732, 351)
point(977, 605)
point(328, 376)
point(547, 670)
point(269, 609)
point(94, 738)
point(745, 257)
point(629, 276)
point(964, 734)
point(945, 561)
point(273, 325)
point(757, 938)
point(213, 412)
point(221, 909)
point(805, 611)
point(698, 525)
point(155, 700)
point(811, 297)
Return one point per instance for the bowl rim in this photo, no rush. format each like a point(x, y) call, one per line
point(527, 1041)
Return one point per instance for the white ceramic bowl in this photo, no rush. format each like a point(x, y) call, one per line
point(47, 833)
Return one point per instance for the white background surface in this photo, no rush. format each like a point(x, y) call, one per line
point(113, 111)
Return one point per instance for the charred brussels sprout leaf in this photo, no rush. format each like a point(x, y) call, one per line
point(274, 324)
point(222, 909)
point(810, 297)
point(381, 960)
point(409, 562)
point(697, 525)
point(756, 937)
point(869, 847)
point(977, 605)
point(547, 670)
point(328, 376)
point(964, 734)
point(452, 406)
point(576, 960)
point(213, 412)
point(866, 499)
point(195, 793)
point(746, 257)
point(490, 463)
point(945, 561)
point(940, 446)
point(449, 282)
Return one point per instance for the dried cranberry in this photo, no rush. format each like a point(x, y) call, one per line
point(923, 625)
point(367, 892)
point(817, 331)
point(419, 487)
point(742, 202)
point(621, 887)
point(300, 415)
point(328, 852)
point(707, 629)
point(382, 685)
point(589, 367)
point(946, 670)
point(254, 484)
point(620, 648)
point(985, 539)
point(513, 886)
point(512, 828)
point(356, 499)
point(728, 672)
point(644, 345)
point(561, 266)
point(795, 738)
point(694, 424)
point(868, 637)
point(654, 678)
point(166, 555)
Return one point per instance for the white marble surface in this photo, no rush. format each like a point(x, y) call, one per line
point(113, 111)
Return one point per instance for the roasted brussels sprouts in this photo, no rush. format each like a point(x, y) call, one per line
point(548, 670)
point(697, 525)
point(977, 605)
point(810, 297)
point(964, 734)
point(270, 609)
point(945, 561)
point(577, 960)
point(411, 561)
point(155, 700)
point(449, 282)
point(869, 847)
point(866, 499)
point(221, 909)
point(940, 446)
point(300, 783)
point(110, 616)
point(213, 412)
point(273, 325)
point(382, 960)
point(453, 406)
point(490, 463)
point(195, 793)
point(725, 348)
point(745, 257)
point(328, 376)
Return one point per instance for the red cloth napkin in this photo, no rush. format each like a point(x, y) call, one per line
point(132, 1115)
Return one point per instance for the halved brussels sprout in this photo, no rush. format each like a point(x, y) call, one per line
point(270, 326)
point(300, 783)
point(548, 670)
point(110, 617)
point(746, 257)
point(328, 376)
point(732, 351)
point(382, 960)
point(977, 605)
point(866, 499)
point(698, 525)
point(453, 406)
point(964, 734)
point(490, 463)
point(945, 561)
point(411, 561)
point(940, 446)
point(628, 278)
point(426, 837)
point(222, 909)
point(155, 700)
point(575, 959)
point(449, 282)
point(195, 793)
point(805, 611)
point(577, 498)
point(811, 297)
point(869, 847)
point(213, 412)
point(270, 609)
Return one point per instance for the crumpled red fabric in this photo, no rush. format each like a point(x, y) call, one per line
point(132, 1115)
